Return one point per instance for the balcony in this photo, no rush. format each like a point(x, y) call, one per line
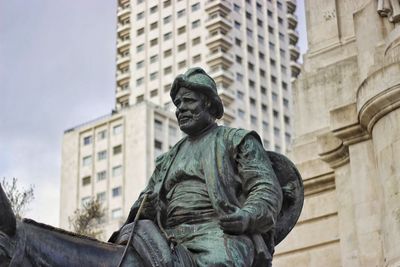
point(123, 10)
point(291, 5)
point(219, 40)
point(221, 75)
point(218, 22)
point(122, 93)
point(218, 5)
point(123, 27)
point(227, 95)
point(219, 58)
point(292, 21)
point(123, 59)
point(295, 68)
point(122, 44)
point(293, 36)
point(122, 76)
point(294, 52)
point(229, 115)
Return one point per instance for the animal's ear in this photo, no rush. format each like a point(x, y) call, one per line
point(7, 217)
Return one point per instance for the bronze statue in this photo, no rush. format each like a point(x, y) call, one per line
point(217, 198)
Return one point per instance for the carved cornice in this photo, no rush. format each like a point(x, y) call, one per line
point(378, 95)
point(319, 184)
point(332, 150)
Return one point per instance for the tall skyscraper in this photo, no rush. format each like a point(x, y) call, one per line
point(248, 47)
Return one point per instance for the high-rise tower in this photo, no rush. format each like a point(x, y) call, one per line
point(248, 47)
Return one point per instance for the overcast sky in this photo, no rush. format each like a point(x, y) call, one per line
point(57, 70)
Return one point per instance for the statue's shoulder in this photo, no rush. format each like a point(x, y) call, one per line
point(235, 136)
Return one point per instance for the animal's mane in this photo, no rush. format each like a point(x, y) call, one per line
point(61, 231)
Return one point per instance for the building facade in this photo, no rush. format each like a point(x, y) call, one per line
point(248, 47)
point(347, 125)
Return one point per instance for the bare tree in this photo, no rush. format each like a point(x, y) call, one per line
point(85, 220)
point(19, 199)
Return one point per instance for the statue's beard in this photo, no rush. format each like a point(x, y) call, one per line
point(196, 122)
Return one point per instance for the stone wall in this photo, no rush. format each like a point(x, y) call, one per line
point(347, 126)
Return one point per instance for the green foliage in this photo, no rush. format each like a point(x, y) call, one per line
point(19, 199)
point(85, 220)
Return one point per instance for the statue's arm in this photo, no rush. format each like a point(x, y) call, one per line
point(259, 183)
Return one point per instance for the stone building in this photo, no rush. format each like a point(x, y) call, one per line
point(347, 143)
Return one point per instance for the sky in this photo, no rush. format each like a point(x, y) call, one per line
point(57, 70)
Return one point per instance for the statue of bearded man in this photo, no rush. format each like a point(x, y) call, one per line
point(215, 192)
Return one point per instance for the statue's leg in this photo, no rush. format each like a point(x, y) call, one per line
point(211, 247)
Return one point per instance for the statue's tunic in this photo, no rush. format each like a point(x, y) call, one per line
point(229, 169)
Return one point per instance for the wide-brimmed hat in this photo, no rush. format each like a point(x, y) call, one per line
point(196, 79)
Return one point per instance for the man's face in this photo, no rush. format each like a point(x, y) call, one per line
point(191, 111)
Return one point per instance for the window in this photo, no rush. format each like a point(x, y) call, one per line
point(271, 46)
point(196, 59)
point(279, 5)
point(167, 3)
point(238, 59)
point(153, 25)
point(251, 83)
point(139, 98)
point(195, 7)
point(274, 97)
point(248, 15)
point(286, 119)
point(261, 55)
point(276, 114)
point(263, 90)
point(196, 41)
point(250, 66)
point(125, 21)
point(117, 150)
point(253, 119)
point(140, 48)
point(241, 113)
point(116, 213)
point(270, 14)
point(237, 25)
point(277, 132)
point(117, 129)
point(140, 15)
point(140, 31)
point(139, 1)
point(265, 125)
point(86, 180)
point(252, 101)
point(182, 64)
point(273, 79)
point(195, 24)
point(125, 37)
point(283, 69)
point(139, 64)
point(239, 94)
point(280, 20)
point(153, 75)
point(153, 9)
point(168, 70)
point(153, 58)
point(154, 42)
point(153, 93)
point(258, 6)
point(181, 47)
point(181, 13)
point(158, 125)
point(270, 30)
point(238, 42)
point(260, 39)
point(239, 77)
point(172, 131)
point(87, 140)
point(167, 19)
point(101, 197)
point(281, 37)
point(116, 191)
point(102, 135)
point(85, 201)
point(262, 73)
point(101, 176)
point(86, 161)
point(236, 8)
point(249, 32)
point(167, 87)
point(167, 36)
point(157, 144)
point(139, 81)
point(182, 30)
point(284, 86)
point(272, 62)
point(125, 86)
point(250, 49)
point(287, 138)
point(167, 53)
point(102, 155)
point(117, 171)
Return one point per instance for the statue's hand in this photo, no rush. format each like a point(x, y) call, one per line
point(236, 223)
point(149, 207)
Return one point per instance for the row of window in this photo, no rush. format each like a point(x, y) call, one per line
point(102, 197)
point(101, 135)
point(168, 3)
point(116, 171)
point(261, 55)
point(101, 155)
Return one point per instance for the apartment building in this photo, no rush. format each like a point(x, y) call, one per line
point(248, 47)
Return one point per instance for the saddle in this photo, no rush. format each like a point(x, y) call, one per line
point(153, 248)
